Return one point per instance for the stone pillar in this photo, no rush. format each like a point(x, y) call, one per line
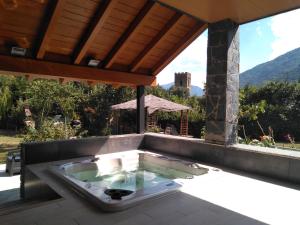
point(140, 109)
point(222, 84)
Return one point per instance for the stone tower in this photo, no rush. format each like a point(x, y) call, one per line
point(183, 80)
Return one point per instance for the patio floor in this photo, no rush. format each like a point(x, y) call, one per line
point(9, 186)
point(219, 197)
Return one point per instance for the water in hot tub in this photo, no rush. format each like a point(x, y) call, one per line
point(131, 180)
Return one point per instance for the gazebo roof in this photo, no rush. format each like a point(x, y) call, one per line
point(153, 103)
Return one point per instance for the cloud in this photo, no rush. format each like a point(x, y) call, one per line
point(192, 59)
point(285, 28)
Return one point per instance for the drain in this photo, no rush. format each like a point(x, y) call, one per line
point(170, 184)
point(117, 194)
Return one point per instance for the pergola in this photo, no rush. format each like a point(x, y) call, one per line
point(129, 42)
point(154, 104)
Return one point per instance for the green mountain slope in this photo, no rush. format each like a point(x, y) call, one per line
point(283, 68)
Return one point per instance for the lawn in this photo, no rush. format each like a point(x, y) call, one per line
point(8, 143)
point(288, 145)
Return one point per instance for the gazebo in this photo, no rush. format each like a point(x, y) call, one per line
point(154, 104)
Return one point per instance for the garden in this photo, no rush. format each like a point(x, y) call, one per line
point(41, 110)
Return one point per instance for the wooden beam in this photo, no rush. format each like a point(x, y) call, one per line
point(96, 24)
point(48, 30)
point(155, 41)
point(125, 38)
point(188, 39)
point(23, 66)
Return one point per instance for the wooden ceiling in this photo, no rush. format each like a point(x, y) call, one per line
point(240, 11)
point(133, 39)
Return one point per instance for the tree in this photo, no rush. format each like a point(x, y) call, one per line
point(6, 98)
point(281, 108)
point(48, 98)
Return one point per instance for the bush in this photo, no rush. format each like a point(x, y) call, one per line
point(49, 130)
point(281, 109)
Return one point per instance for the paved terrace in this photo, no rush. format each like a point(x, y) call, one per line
point(9, 186)
point(221, 196)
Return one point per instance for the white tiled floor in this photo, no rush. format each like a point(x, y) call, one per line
point(8, 182)
point(9, 186)
point(217, 198)
point(264, 201)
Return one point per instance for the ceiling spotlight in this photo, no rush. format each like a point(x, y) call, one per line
point(93, 62)
point(18, 51)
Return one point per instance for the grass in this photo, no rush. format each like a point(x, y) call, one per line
point(288, 145)
point(3, 157)
point(8, 143)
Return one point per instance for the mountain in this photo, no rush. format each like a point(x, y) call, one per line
point(167, 86)
point(283, 68)
point(195, 91)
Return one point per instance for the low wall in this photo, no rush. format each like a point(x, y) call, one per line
point(279, 164)
point(192, 148)
point(275, 163)
point(39, 152)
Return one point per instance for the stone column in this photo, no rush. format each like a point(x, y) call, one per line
point(222, 84)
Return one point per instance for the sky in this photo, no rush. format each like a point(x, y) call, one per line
point(260, 41)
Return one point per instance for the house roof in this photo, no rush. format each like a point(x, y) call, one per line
point(240, 11)
point(132, 40)
point(152, 103)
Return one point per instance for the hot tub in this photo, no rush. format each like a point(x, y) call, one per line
point(120, 180)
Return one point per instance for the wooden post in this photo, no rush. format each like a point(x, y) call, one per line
point(140, 109)
point(184, 123)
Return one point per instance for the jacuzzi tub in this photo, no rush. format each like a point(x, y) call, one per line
point(120, 180)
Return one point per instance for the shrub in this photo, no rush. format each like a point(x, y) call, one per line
point(49, 130)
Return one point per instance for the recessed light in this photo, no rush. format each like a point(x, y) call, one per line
point(18, 51)
point(93, 62)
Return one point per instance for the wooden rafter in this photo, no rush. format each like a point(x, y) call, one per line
point(97, 23)
point(56, 12)
point(125, 38)
point(189, 38)
point(23, 66)
point(155, 41)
